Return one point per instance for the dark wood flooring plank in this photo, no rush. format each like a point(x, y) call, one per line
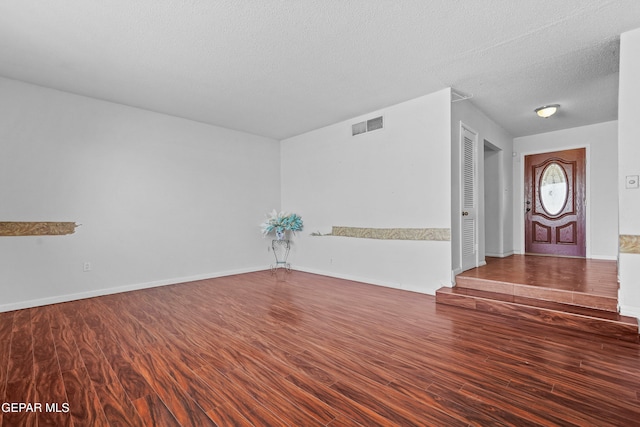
point(344, 406)
point(154, 412)
point(154, 334)
point(118, 409)
point(51, 393)
point(573, 382)
point(338, 365)
point(539, 412)
point(239, 398)
point(622, 412)
point(152, 368)
point(66, 351)
point(20, 392)
point(436, 405)
point(131, 380)
point(45, 358)
point(6, 328)
point(392, 405)
point(119, 324)
point(273, 401)
point(502, 415)
point(292, 362)
point(226, 415)
point(279, 386)
point(84, 406)
point(343, 422)
point(20, 367)
point(183, 407)
point(128, 374)
point(116, 405)
point(188, 381)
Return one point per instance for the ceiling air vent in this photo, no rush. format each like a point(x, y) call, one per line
point(368, 126)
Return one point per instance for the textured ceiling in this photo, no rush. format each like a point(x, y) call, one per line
point(283, 67)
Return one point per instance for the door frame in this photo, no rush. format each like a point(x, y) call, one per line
point(476, 171)
point(520, 201)
point(498, 192)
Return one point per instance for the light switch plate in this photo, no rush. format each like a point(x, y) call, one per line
point(631, 181)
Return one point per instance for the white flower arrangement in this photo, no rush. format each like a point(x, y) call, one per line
point(279, 222)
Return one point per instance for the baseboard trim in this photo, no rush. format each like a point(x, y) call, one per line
point(627, 310)
point(126, 288)
point(454, 273)
point(506, 254)
point(369, 281)
point(605, 257)
point(499, 255)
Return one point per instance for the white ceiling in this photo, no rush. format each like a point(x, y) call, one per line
point(283, 67)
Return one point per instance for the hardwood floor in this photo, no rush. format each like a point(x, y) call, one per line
point(570, 275)
point(572, 293)
point(304, 350)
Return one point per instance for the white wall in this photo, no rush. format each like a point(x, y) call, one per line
point(493, 203)
point(160, 199)
point(602, 163)
point(488, 130)
point(629, 164)
point(397, 177)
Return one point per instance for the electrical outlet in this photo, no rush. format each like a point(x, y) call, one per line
point(86, 266)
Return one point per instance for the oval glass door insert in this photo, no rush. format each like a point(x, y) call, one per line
point(553, 189)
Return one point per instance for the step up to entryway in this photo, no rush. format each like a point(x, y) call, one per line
point(566, 315)
point(595, 300)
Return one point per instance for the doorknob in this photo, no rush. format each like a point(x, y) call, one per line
point(465, 213)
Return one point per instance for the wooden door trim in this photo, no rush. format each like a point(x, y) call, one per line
point(520, 199)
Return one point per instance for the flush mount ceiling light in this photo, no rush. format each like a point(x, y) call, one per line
point(547, 111)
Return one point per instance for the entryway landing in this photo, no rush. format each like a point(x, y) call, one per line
point(573, 293)
point(578, 281)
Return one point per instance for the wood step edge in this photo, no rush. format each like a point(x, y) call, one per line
point(521, 285)
point(606, 303)
point(552, 306)
point(625, 330)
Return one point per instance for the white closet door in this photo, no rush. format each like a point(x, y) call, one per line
point(469, 234)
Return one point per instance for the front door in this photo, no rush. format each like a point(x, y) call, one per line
point(554, 206)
